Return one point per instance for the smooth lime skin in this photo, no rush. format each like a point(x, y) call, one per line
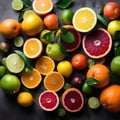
point(86, 89)
point(2, 70)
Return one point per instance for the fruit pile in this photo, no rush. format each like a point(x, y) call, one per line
point(66, 62)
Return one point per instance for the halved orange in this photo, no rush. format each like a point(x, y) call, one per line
point(54, 81)
point(84, 19)
point(32, 48)
point(32, 79)
point(42, 7)
point(45, 65)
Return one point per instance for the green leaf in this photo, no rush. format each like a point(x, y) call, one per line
point(117, 51)
point(92, 81)
point(116, 36)
point(63, 4)
point(27, 3)
point(63, 50)
point(20, 17)
point(102, 19)
point(101, 9)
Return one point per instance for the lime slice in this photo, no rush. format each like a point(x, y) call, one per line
point(93, 102)
point(15, 63)
point(17, 4)
point(18, 41)
point(28, 12)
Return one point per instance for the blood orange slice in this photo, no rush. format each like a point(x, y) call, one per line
point(97, 43)
point(72, 100)
point(48, 100)
point(70, 47)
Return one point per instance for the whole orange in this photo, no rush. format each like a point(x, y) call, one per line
point(79, 61)
point(99, 72)
point(110, 98)
point(51, 21)
point(10, 28)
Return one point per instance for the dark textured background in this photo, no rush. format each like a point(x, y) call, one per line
point(9, 109)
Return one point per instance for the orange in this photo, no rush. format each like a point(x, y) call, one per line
point(51, 21)
point(32, 79)
point(32, 48)
point(111, 10)
point(110, 98)
point(42, 7)
point(99, 72)
point(84, 19)
point(10, 28)
point(45, 65)
point(54, 81)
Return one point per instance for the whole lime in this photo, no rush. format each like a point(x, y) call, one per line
point(86, 89)
point(2, 70)
point(115, 65)
point(67, 16)
point(10, 84)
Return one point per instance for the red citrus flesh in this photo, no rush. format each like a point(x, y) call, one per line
point(72, 100)
point(97, 43)
point(48, 100)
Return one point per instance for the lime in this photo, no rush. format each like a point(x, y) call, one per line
point(87, 89)
point(10, 83)
point(4, 61)
point(93, 102)
point(15, 63)
point(67, 85)
point(28, 12)
point(2, 70)
point(67, 16)
point(61, 112)
point(91, 62)
point(17, 4)
point(18, 41)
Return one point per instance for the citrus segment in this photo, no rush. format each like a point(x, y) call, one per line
point(32, 48)
point(97, 43)
point(42, 7)
point(15, 63)
point(84, 19)
point(32, 79)
point(48, 100)
point(45, 65)
point(72, 100)
point(54, 81)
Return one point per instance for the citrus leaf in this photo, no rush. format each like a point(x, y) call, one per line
point(27, 3)
point(117, 51)
point(116, 36)
point(63, 3)
point(102, 19)
point(101, 9)
point(20, 17)
point(63, 50)
point(92, 81)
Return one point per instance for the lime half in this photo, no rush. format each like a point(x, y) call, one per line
point(93, 102)
point(15, 63)
point(28, 12)
point(18, 41)
point(17, 4)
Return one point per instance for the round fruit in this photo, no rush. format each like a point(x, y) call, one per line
point(70, 47)
point(17, 4)
point(18, 41)
point(48, 100)
point(2, 70)
point(32, 25)
point(67, 16)
point(15, 63)
point(79, 61)
point(51, 21)
point(72, 100)
point(113, 26)
point(45, 65)
point(54, 81)
point(61, 112)
point(99, 72)
point(111, 10)
point(27, 13)
point(87, 19)
point(10, 84)
point(97, 43)
point(42, 7)
point(110, 98)
point(10, 28)
point(65, 68)
point(25, 99)
point(32, 48)
point(115, 65)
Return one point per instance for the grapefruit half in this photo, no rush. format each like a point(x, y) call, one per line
point(48, 100)
point(72, 100)
point(97, 43)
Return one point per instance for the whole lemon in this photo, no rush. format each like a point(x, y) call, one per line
point(32, 25)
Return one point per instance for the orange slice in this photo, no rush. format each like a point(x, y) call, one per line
point(32, 79)
point(54, 81)
point(32, 48)
point(45, 65)
point(84, 19)
point(42, 7)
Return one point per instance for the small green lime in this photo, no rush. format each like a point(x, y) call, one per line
point(61, 112)
point(4, 61)
point(2, 70)
point(86, 89)
point(93, 102)
point(18, 41)
point(17, 4)
point(91, 62)
point(67, 16)
point(67, 85)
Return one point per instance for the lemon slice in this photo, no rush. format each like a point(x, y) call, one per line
point(17, 4)
point(15, 63)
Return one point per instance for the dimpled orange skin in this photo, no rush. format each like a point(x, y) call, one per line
point(10, 28)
